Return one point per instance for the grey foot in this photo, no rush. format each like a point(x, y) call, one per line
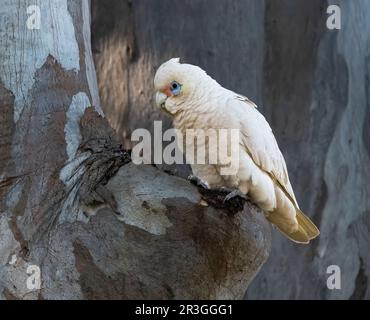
point(235, 193)
point(230, 200)
point(198, 182)
point(234, 201)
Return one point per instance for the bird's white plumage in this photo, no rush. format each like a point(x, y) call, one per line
point(262, 172)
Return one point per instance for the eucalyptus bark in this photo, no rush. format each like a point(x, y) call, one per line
point(60, 162)
point(319, 78)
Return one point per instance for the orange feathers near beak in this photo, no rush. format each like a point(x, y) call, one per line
point(167, 91)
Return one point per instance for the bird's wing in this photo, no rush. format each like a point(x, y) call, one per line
point(260, 143)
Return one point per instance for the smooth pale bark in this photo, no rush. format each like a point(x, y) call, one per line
point(321, 78)
point(60, 161)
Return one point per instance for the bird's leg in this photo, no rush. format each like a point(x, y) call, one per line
point(203, 185)
point(230, 193)
point(232, 200)
point(198, 181)
point(236, 193)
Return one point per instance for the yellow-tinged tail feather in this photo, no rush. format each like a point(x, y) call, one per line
point(306, 229)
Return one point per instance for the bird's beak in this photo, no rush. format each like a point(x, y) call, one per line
point(160, 100)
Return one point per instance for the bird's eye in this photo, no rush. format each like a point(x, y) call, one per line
point(175, 88)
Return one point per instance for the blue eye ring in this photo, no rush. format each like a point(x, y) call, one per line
point(175, 88)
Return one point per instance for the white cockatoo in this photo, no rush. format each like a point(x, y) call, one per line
point(195, 101)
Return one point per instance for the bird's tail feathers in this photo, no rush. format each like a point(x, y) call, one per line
point(306, 228)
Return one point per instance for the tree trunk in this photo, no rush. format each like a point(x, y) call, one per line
point(311, 83)
point(321, 78)
point(61, 163)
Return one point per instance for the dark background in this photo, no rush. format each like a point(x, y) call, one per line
point(312, 85)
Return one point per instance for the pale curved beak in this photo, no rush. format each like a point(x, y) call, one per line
point(160, 99)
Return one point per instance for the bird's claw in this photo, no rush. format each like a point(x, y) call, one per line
point(235, 193)
point(234, 200)
point(198, 182)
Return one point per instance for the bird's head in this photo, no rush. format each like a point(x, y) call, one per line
point(176, 84)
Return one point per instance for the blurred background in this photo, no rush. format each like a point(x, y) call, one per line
point(311, 84)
